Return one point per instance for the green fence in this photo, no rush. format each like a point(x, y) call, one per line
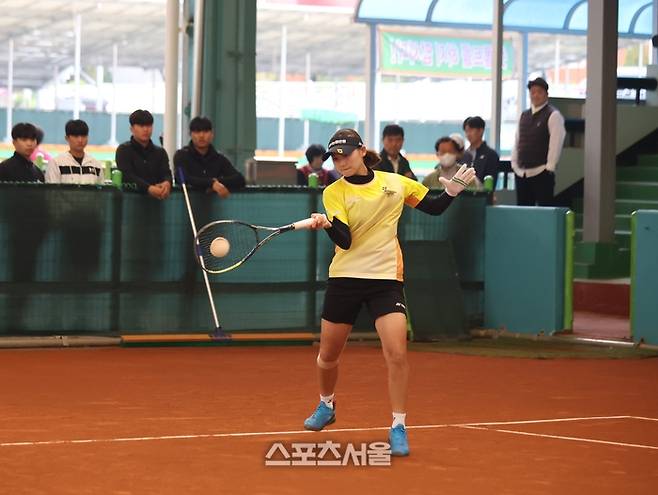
point(96, 260)
point(644, 276)
point(528, 269)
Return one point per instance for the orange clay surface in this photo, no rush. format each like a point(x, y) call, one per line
point(154, 420)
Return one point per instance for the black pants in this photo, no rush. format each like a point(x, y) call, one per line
point(535, 191)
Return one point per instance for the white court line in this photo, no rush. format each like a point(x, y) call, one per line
point(643, 418)
point(562, 437)
point(556, 420)
point(292, 432)
point(195, 436)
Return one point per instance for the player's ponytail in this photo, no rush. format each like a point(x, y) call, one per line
point(371, 159)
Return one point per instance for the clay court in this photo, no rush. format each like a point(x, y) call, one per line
point(201, 420)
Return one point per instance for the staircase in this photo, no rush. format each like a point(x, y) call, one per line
point(637, 188)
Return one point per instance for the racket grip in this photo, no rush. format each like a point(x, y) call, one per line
point(303, 224)
point(180, 175)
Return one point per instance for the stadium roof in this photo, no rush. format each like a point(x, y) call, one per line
point(545, 16)
point(44, 39)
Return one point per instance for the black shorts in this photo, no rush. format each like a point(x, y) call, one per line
point(345, 296)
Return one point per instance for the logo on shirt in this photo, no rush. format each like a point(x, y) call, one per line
point(387, 191)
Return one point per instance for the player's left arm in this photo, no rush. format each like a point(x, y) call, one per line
point(416, 194)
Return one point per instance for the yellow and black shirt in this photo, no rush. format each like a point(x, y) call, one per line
point(371, 212)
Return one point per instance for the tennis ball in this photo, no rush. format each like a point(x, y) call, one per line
point(219, 247)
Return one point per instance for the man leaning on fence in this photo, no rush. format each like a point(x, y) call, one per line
point(142, 162)
point(75, 166)
point(205, 168)
point(19, 168)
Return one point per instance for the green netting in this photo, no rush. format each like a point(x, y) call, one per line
point(95, 260)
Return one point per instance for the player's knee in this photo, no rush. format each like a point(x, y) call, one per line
point(396, 358)
point(326, 365)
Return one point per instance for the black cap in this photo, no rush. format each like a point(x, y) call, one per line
point(343, 142)
point(540, 81)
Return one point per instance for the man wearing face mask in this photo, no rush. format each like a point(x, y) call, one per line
point(450, 153)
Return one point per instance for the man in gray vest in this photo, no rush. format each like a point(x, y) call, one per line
point(537, 148)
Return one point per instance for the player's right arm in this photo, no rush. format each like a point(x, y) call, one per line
point(338, 229)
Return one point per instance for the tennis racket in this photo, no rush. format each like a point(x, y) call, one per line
point(224, 245)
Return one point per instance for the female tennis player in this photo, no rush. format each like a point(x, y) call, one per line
point(362, 213)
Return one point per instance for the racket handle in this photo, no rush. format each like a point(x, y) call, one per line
point(303, 224)
point(180, 175)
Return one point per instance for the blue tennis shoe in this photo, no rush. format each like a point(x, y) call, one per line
point(398, 440)
point(323, 416)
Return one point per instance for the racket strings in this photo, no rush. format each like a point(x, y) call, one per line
point(242, 240)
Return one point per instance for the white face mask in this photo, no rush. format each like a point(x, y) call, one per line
point(447, 160)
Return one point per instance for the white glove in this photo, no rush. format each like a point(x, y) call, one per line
point(460, 181)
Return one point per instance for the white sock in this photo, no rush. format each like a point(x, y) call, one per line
point(398, 419)
point(328, 400)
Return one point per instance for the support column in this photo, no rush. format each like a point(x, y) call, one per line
point(56, 85)
point(655, 30)
point(556, 63)
point(371, 132)
point(496, 72)
point(99, 87)
point(171, 78)
point(78, 45)
point(282, 90)
point(521, 71)
point(601, 122)
point(113, 118)
point(186, 59)
point(228, 95)
point(307, 124)
point(10, 90)
point(197, 57)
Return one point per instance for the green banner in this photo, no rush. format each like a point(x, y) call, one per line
point(440, 56)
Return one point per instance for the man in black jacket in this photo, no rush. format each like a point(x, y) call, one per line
point(484, 160)
point(142, 162)
point(204, 167)
point(26, 223)
point(19, 168)
point(392, 160)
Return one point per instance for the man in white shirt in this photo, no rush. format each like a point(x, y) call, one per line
point(537, 148)
point(75, 166)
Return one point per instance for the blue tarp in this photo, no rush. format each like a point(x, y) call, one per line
point(548, 16)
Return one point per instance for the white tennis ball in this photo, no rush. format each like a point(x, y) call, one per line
point(219, 247)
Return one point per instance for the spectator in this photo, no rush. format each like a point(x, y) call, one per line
point(38, 151)
point(484, 160)
point(142, 162)
point(26, 223)
point(449, 151)
point(19, 167)
point(204, 167)
point(537, 148)
point(392, 160)
point(314, 156)
point(75, 166)
point(81, 227)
